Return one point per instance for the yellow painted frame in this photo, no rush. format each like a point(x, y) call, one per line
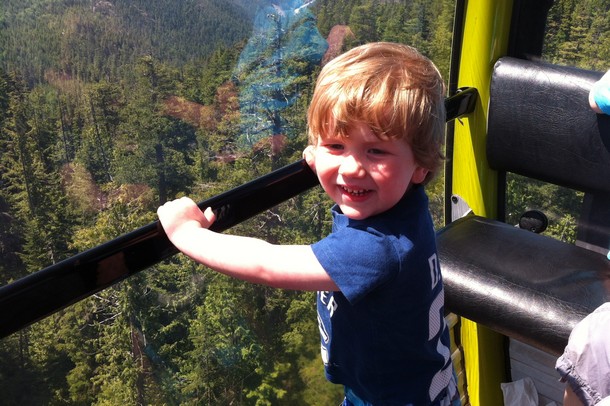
point(485, 39)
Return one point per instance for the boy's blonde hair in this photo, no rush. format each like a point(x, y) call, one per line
point(395, 90)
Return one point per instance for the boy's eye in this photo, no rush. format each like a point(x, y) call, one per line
point(377, 151)
point(335, 147)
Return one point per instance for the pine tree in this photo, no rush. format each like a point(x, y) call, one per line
point(362, 22)
point(34, 202)
point(284, 47)
point(152, 148)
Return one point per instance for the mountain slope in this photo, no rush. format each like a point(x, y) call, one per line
point(93, 39)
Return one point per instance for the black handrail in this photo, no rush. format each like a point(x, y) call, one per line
point(42, 293)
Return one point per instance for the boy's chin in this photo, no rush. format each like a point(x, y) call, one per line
point(354, 214)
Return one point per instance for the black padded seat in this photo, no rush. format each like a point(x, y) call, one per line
point(525, 285)
point(541, 126)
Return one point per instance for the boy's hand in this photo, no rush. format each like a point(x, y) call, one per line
point(309, 154)
point(183, 215)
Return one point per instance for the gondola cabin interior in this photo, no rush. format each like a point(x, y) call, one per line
point(520, 292)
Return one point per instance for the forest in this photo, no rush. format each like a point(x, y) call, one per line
point(110, 108)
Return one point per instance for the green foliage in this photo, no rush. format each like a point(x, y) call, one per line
point(577, 34)
point(424, 25)
point(561, 205)
point(10, 227)
point(30, 172)
point(274, 69)
point(93, 41)
point(202, 80)
point(151, 148)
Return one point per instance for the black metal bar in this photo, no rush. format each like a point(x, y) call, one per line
point(42, 293)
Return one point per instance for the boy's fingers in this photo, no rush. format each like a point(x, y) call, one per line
point(183, 207)
point(209, 216)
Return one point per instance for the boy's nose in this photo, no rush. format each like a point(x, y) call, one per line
point(351, 166)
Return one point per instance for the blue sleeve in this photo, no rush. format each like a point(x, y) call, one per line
point(358, 261)
point(601, 95)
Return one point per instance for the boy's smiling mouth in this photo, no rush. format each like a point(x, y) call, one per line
point(355, 192)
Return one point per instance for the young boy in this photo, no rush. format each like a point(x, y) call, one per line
point(376, 128)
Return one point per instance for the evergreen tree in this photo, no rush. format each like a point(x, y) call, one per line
point(152, 148)
point(33, 201)
point(11, 266)
point(362, 22)
point(202, 84)
point(596, 47)
point(31, 174)
point(441, 33)
point(284, 47)
point(105, 102)
point(391, 23)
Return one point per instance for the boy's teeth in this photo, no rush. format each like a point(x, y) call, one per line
point(354, 192)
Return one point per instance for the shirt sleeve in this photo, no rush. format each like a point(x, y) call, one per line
point(358, 260)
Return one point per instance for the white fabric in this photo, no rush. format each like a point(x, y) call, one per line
point(585, 363)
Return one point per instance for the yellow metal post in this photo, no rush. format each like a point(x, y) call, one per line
point(485, 39)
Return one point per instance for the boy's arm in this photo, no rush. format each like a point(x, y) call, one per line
point(249, 259)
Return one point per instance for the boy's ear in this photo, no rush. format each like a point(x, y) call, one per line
point(309, 154)
point(419, 175)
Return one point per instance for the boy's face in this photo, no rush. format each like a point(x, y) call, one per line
point(363, 174)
